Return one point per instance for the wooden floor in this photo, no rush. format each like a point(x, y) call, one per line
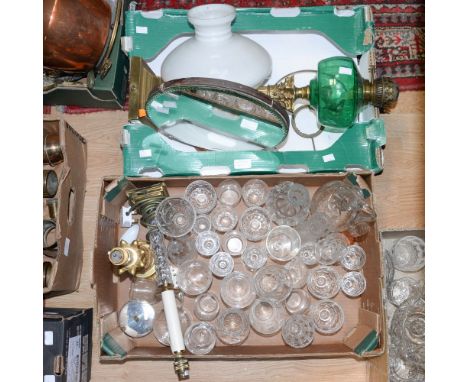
point(399, 197)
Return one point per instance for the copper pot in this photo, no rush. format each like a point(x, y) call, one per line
point(75, 34)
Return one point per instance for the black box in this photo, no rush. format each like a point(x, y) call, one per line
point(68, 339)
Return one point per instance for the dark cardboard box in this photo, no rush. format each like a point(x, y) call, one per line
point(68, 340)
point(62, 273)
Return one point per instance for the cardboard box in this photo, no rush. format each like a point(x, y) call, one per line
point(364, 315)
point(62, 270)
point(68, 340)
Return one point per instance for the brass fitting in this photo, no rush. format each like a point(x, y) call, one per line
point(382, 93)
point(181, 365)
point(136, 258)
point(51, 150)
point(285, 93)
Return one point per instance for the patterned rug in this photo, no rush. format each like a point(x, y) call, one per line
point(399, 26)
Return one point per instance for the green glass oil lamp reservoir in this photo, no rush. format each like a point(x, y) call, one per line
point(337, 93)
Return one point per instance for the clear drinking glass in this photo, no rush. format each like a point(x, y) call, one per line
point(266, 317)
point(408, 254)
point(331, 247)
point(206, 306)
point(402, 370)
point(175, 217)
point(273, 282)
point(353, 257)
point(314, 228)
point(221, 264)
point(180, 250)
point(224, 219)
point(143, 289)
point(404, 290)
point(328, 316)
point(288, 204)
point(343, 203)
point(202, 224)
point(229, 192)
point(298, 301)
point(254, 192)
point(283, 243)
point(323, 282)
point(234, 243)
point(309, 253)
point(237, 290)
point(202, 195)
point(194, 277)
point(359, 230)
point(255, 223)
point(161, 331)
point(255, 257)
point(207, 243)
point(200, 338)
point(298, 331)
point(232, 326)
point(298, 272)
point(353, 284)
point(136, 318)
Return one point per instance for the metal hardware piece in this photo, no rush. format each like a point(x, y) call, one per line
point(49, 183)
point(145, 200)
point(284, 92)
point(48, 226)
point(181, 365)
point(52, 205)
point(51, 150)
point(136, 258)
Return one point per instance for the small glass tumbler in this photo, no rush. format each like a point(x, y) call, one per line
point(202, 195)
point(161, 331)
point(298, 272)
point(404, 290)
point(408, 325)
point(143, 289)
point(136, 318)
point(266, 317)
point(331, 247)
point(224, 219)
point(353, 284)
point(237, 290)
point(323, 282)
point(408, 254)
point(175, 217)
point(254, 192)
point(229, 192)
point(234, 243)
point(207, 243)
point(255, 257)
point(328, 317)
point(283, 243)
point(298, 301)
point(359, 230)
point(194, 277)
point(221, 264)
point(180, 250)
point(206, 306)
point(298, 331)
point(273, 282)
point(200, 338)
point(232, 326)
point(202, 224)
point(401, 370)
point(353, 257)
point(309, 253)
point(255, 223)
point(286, 204)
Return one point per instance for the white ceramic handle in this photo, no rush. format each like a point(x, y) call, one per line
point(172, 319)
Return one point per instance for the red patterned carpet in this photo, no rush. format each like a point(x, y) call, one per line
point(399, 28)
